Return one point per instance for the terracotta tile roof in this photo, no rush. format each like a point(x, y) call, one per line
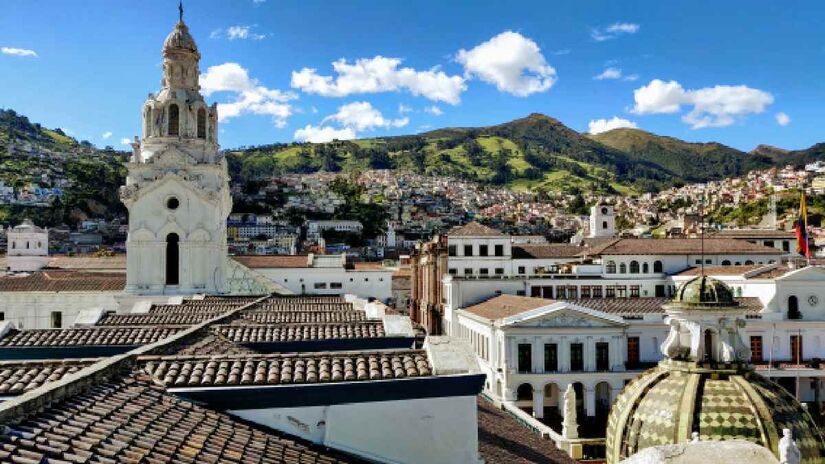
point(215, 371)
point(505, 305)
point(680, 246)
point(299, 332)
point(363, 266)
point(720, 270)
point(133, 420)
point(205, 343)
point(210, 307)
point(95, 336)
point(551, 250)
point(88, 262)
point(273, 261)
point(157, 318)
point(651, 305)
point(287, 317)
point(754, 233)
point(773, 273)
point(504, 440)
point(474, 229)
point(18, 377)
point(298, 306)
point(64, 281)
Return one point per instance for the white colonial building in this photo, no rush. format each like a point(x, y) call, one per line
point(28, 247)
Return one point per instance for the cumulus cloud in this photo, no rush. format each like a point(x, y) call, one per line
point(717, 106)
point(612, 31)
point(597, 126)
point(402, 108)
point(361, 116)
point(511, 62)
point(106, 135)
point(435, 110)
point(380, 74)
point(316, 134)
point(249, 96)
point(782, 118)
point(125, 141)
point(18, 51)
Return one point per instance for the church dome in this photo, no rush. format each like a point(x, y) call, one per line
point(669, 402)
point(180, 38)
point(705, 292)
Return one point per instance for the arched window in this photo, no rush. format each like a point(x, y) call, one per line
point(524, 392)
point(604, 224)
point(174, 119)
point(13, 245)
point(645, 268)
point(622, 268)
point(726, 262)
point(172, 260)
point(748, 263)
point(634, 267)
point(28, 245)
point(611, 267)
point(201, 123)
point(657, 266)
point(793, 308)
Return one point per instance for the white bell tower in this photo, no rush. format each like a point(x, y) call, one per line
point(177, 189)
point(602, 221)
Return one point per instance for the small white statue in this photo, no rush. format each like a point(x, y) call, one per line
point(694, 437)
point(788, 451)
point(570, 428)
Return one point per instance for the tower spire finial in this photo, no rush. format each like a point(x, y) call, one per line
point(180, 10)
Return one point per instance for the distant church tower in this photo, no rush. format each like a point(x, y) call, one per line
point(602, 221)
point(177, 189)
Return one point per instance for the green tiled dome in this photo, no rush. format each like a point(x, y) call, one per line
point(667, 403)
point(705, 292)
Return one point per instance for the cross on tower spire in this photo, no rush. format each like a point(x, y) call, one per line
point(180, 10)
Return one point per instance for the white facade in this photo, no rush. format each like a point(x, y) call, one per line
point(28, 247)
point(177, 190)
point(602, 221)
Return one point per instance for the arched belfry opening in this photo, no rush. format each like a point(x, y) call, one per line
point(172, 259)
point(174, 119)
point(201, 123)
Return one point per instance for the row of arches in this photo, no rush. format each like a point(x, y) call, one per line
point(171, 122)
point(553, 399)
point(634, 267)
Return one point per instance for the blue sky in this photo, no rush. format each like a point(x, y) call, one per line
point(738, 72)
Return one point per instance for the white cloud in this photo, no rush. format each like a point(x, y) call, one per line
point(717, 106)
point(125, 141)
point(609, 73)
point(380, 74)
point(250, 96)
point(106, 135)
point(782, 118)
point(18, 51)
point(597, 126)
point(316, 134)
point(402, 108)
point(434, 110)
point(612, 31)
point(511, 62)
point(563, 51)
point(237, 33)
point(630, 77)
point(361, 116)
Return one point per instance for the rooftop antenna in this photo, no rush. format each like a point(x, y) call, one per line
point(702, 232)
point(180, 10)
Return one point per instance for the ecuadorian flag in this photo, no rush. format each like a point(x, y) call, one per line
point(802, 229)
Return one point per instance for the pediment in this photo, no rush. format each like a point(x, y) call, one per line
point(565, 315)
point(171, 158)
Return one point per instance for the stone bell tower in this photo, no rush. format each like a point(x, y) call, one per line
point(177, 188)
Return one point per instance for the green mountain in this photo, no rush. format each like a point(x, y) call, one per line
point(781, 157)
point(33, 156)
point(692, 162)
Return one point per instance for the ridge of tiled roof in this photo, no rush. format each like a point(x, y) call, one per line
point(64, 281)
point(474, 229)
point(273, 261)
point(276, 369)
point(190, 318)
point(753, 233)
point(648, 305)
point(88, 336)
point(301, 317)
point(722, 270)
